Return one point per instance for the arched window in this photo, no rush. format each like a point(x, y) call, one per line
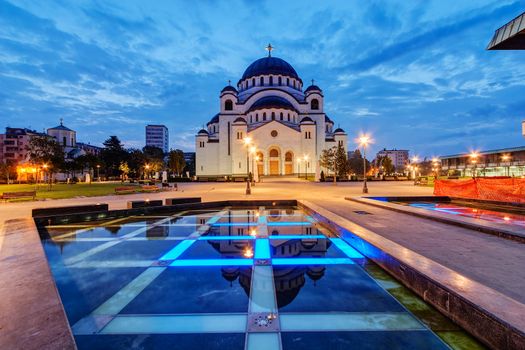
point(256, 117)
point(264, 116)
point(64, 141)
point(262, 81)
point(294, 84)
point(274, 153)
point(281, 115)
point(280, 81)
point(271, 80)
point(273, 115)
point(253, 81)
point(314, 104)
point(288, 157)
point(287, 81)
point(260, 156)
point(288, 116)
point(228, 105)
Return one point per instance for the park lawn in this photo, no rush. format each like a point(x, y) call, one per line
point(60, 191)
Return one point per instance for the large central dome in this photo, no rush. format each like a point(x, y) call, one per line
point(270, 65)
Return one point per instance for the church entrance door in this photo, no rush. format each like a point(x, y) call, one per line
point(274, 162)
point(274, 167)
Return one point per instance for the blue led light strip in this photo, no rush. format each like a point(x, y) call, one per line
point(235, 224)
point(212, 262)
point(262, 248)
point(310, 261)
point(346, 248)
point(225, 238)
point(289, 223)
point(298, 237)
point(178, 250)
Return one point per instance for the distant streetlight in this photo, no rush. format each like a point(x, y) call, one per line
point(253, 150)
point(305, 158)
point(248, 141)
point(474, 160)
point(98, 172)
point(414, 160)
point(364, 140)
point(506, 158)
point(435, 163)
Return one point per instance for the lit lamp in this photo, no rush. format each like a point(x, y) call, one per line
point(435, 163)
point(364, 141)
point(474, 160)
point(415, 159)
point(248, 141)
point(305, 158)
point(146, 173)
point(253, 149)
point(98, 172)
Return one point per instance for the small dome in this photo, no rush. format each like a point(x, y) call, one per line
point(214, 120)
point(306, 120)
point(339, 131)
point(313, 88)
point(229, 88)
point(270, 65)
point(272, 102)
point(240, 120)
point(202, 132)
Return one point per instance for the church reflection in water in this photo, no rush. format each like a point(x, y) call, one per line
point(288, 279)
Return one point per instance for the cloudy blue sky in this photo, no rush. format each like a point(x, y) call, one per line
point(415, 74)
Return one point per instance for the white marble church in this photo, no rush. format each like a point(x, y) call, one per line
point(285, 126)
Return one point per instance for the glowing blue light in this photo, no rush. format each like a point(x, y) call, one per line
point(212, 262)
point(291, 223)
point(262, 248)
point(225, 238)
point(235, 224)
point(311, 261)
point(178, 250)
point(297, 237)
point(346, 248)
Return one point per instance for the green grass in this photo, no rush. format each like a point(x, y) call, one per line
point(60, 191)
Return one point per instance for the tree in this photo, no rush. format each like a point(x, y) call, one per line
point(355, 162)
point(341, 162)
point(112, 155)
point(124, 170)
point(327, 159)
point(153, 153)
point(176, 161)
point(7, 171)
point(388, 166)
point(136, 161)
point(45, 150)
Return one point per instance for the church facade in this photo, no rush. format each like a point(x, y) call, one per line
point(267, 125)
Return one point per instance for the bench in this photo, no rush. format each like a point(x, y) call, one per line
point(421, 181)
point(17, 195)
point(149, 188)
point(389, 178)
point(402, 178)
point(125, 189)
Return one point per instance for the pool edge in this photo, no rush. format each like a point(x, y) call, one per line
point(468, 303)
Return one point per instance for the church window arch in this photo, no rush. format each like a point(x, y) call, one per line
point(314, 105)
point(260, 156)
point(228, 105)
point(294, 84)
point(264, 116)
point(281, 116)
point(271, 80)
point(273, 115)
point(262, 81)
point(287, 81)
point(288, 116)
point(256, 117)
point(280, 81)
point(274, 153)
point(253, 81)
point(288, 156)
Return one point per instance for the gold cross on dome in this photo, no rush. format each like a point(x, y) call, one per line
point(61, 121)
point(269, 48)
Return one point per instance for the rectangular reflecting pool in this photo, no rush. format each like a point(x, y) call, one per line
point(233, 278)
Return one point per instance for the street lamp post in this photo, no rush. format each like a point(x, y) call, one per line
point(506, 158)
point(253, 149)
point(98, 172)
point(415, 159)
point(363, 141)
point(247, 142)
point(306, 167)
point(474, 161)
point(435, 163)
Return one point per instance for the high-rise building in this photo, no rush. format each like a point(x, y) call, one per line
point(399, 157)
point(157, 136)
point(14, 144)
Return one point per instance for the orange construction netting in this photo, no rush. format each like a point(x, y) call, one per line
point(494, 189)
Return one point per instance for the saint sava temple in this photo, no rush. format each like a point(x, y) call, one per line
point(268, 125)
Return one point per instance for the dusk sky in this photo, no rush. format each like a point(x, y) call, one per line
point(415, 74)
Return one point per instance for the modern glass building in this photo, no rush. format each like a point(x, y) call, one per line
point(500, 162)
point(157, 136)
